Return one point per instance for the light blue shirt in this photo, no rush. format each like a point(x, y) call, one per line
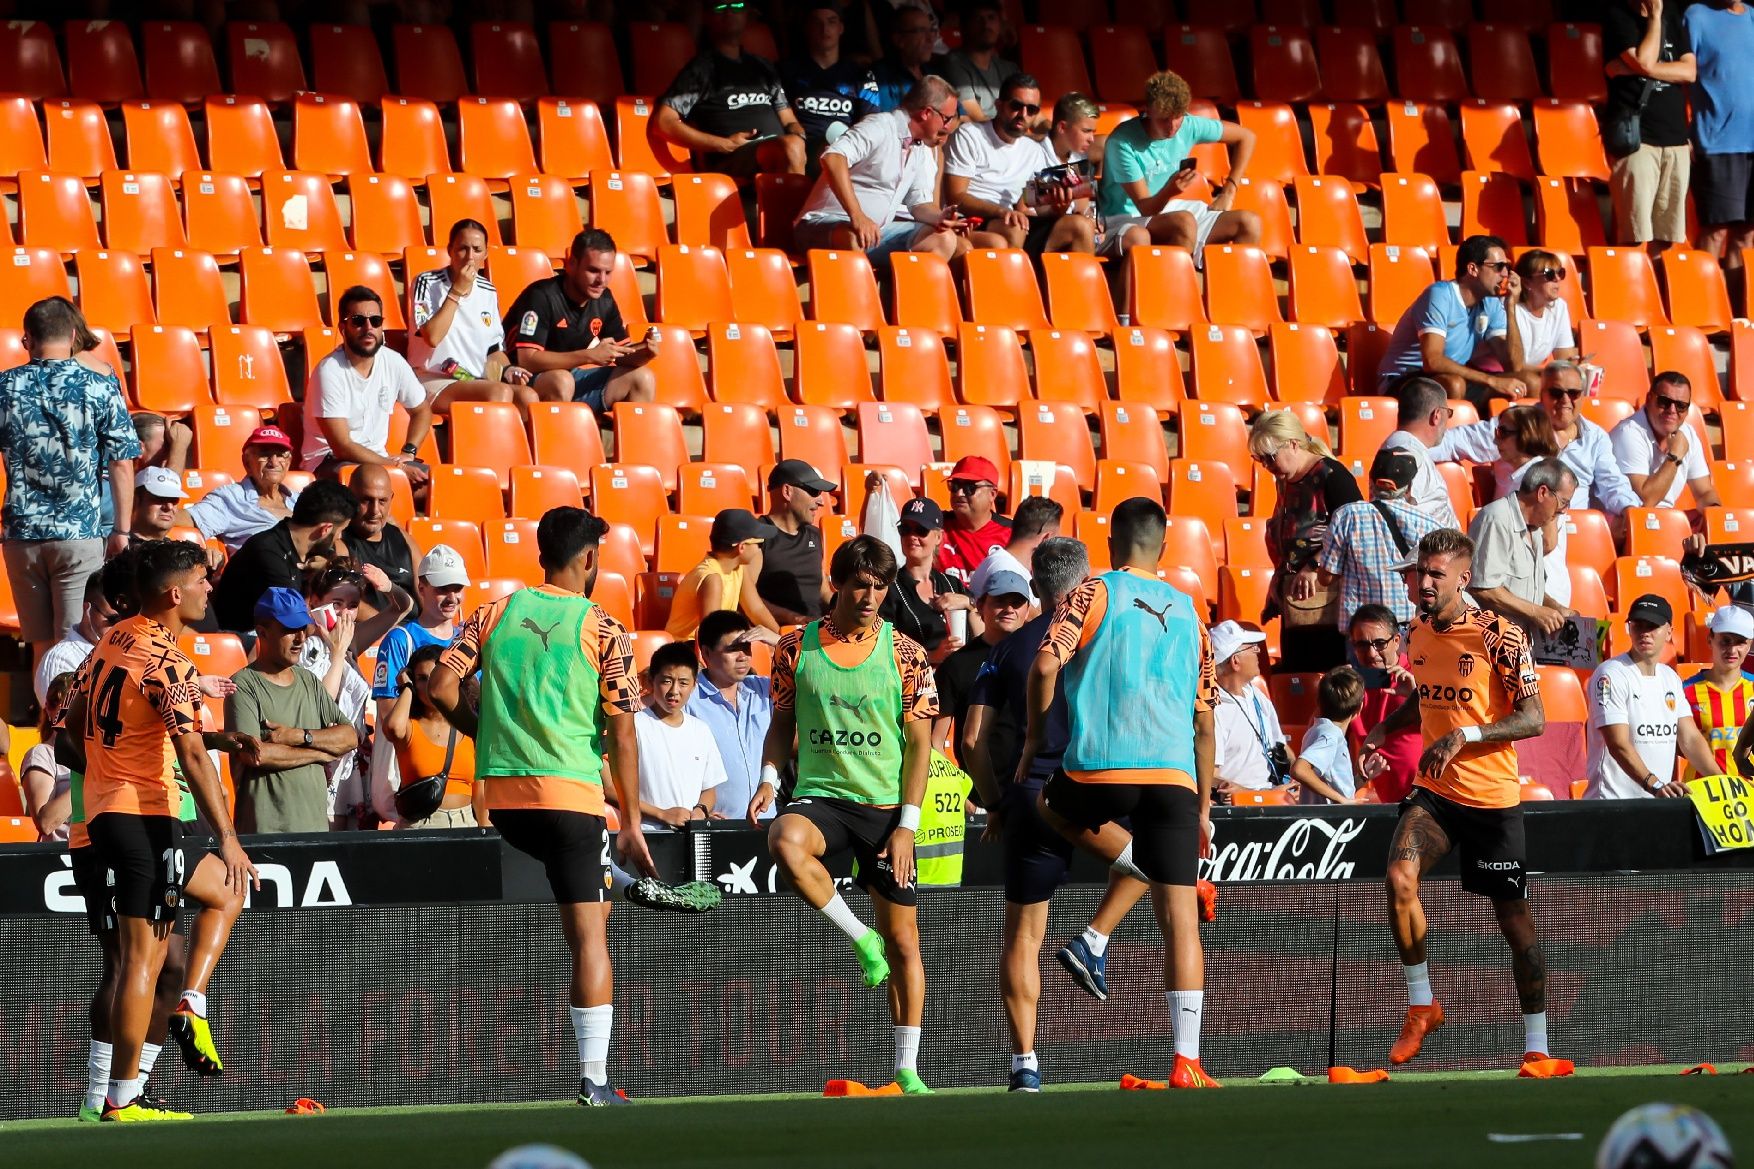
point(1722, 44)
point(234, 513)
point(1324, 748)
point(740, 732)
point(1590, 456)
point(398, 645)
point(1132, 154)
point(1439, 309)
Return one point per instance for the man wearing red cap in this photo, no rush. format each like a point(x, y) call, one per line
point(254, 503)
point(973, 530)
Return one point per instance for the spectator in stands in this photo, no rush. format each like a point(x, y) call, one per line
point(1510, 571)
point(457, 345)
point(157, 492)
point(1323, 770)
point(1543, 318)
point(1144, 177)
point(353, 392)
point(42, 777)
point(1366, 541)
point(1064, 204)
point(1251, 752)
point(1649, 69)
point(1376, 647)
point(373, 537)
point(1313, 485)
point(734, 702)
point(1640, 724)
point(1003, 609)
point(1720, 37)
point(680, 768)
point(70, 652)
point(1660, 450)
point(1455, 328)
point(922, 598)
point(1525, 437)
point(1721, 696)
point(1423, 413)
point(63, 429)
point(911, 42)
point(1037, 519)
point(728, 107)
point(989, 164)
point(828, 92)
point(570, 335)
point(976, 69)
point(725, 578)
point(790, 580)
point(347, 626)
point(293, 727)
point(974, 530)
point(426, 745)
point(443, 578)
point(164, 442)
point(255, 503)
point(279, 556)
point(886, 166)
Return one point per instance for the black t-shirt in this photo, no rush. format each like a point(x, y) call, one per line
point(791, 571)
point(1003, 686)
point(718, 95)
point(266, 561)
point(393, 554)
point(1664, 122)
point(844, 92)
point(543, 318)
point(956, 676)
point(903, 609)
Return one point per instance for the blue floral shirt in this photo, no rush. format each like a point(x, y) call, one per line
point(61, 425)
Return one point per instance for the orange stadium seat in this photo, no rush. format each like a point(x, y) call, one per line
point(1054, 55)
point(764, 288)
point(1634, 576)
point(1589, 540)
point(745, 365)
point(537, 490)
point(493, 138)
point(215, 653)
point(1213, 432)
point(491, 434)
point(925, 293)
point(1346, 144)
point(463, 535)
point(1328, 216)
point(990, 366)
point(1077, 293)
point(12, 351)
point(278, 291)
point(35, 273)
point(650, 433)
point(1278, 142)
point(736, 432)
point(1397, 276)
point(565, 434)
point(328, 137)
point(160, 138)
point(55, 213)
point(1323, 288)
point(1574, 63)
point(514, 269)
point(1413, 212)
point(1227, 365)
point(682, 542)
point(220, 214)
point(1147, 370)
point(262, 58)
point(467, 493)
point(1055, 481)
point(1284, 61)
point(573, 139)
point(346, 60)
point(169, 374)
point(1656, 531)
point(247, 367)
point(1351, 65)
point(1164, 289)
point(625, 204)
point(458, 196)
point(631, 494)
point(1503, 63)
point(1364, 423)
point(1002, 289)
point(1568, 217)
point(1239, 288)
point(1428, 68)
point(914, 368)
point(21, 139)
point(1133, 433)
point(1496, 140)
point(660, 50)
point(1687, 350)
point(778, 198)
point(831, 369)
point(241, 139)
point(1569, 141)
point(694, 289)
point(843, 289)
point(709, 211)
point(975, 430)
point(681, 384)
point(79, 139)
point(220, 431)
point(101, 62)
point(709, 488)
point(187, 288)
point(428, 63)
point(813, 433)
point(413, 142)
point(511, 549)
point(140, 212)
point(584, 53)
point(894, 434)
point(1267, 200)
point(1067, 368)
point(1306, 363)
point(640, 149)
point(1623, 287)
point(508, 60)
point(386, 215)
point(625, 285)
point(1245, 542)
point(1422, 140)
point(1203, 489)
point(1203, 59)
point(1492, 204)
point(1123, 61)
point(31, 59)
point(1697, 294)
point(114, 294)
point(300, 211)
point(1728, 525)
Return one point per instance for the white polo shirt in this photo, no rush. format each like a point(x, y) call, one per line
point(1650, 707)
point(889, 171)
point(475, 329)
point(996, 170)
point(1635, 449)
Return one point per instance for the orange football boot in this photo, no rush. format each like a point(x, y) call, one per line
point(1189, 1074)
point(1538, 1065)
point(1421, 1021)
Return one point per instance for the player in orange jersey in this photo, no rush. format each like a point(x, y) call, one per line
point(1476, 694)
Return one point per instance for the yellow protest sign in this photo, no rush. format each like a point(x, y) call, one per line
point(1725, 806)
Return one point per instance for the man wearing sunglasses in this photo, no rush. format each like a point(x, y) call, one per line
point(729, 108)
point(1660, 450)
point(989, 168)
point(974, 530)
point(1455, 326)
point(355, 389)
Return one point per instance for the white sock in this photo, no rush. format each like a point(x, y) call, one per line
point(148, 1057)
point(124, 1092)
point(1124, 864)
point(620, 881)
point(1418, 984)
point(195, 1001)
point(907, 1048)
point(842, 915)
point(1535, 1032)
point(591, 1027)
point(97, 1074)
point(1025, 1062)
point(1186, 1009)
point(1098, 943)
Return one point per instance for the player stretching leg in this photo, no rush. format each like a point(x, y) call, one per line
point(139, 695)
point(853, 703)
point(1037, 856)
point(1476, 694)
point(1136, 666)
point(558, 689)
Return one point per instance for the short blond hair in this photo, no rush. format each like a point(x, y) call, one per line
point(1275, 428)
point(1167, 95)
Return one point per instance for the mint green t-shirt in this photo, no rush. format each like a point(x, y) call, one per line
point(1132, 154)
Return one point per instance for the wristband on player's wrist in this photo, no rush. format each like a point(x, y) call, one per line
point(910, 817)
point(770, 775)
point(1471, 734)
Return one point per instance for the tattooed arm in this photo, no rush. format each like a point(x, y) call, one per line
point(1525, 721)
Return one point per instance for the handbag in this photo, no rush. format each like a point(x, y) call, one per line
point(420, 799)
point(1622, 136)
point(1322, 606)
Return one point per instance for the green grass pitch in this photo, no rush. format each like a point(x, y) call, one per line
point(1415, 1120)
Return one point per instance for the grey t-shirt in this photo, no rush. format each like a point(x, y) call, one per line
point(974, 83)
point(297, 799)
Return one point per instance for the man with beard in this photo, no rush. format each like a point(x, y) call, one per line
point(353, 392)
point(278, 557)
point(570, 334)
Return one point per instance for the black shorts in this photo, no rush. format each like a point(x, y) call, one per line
point(1037, 858)
point(1490, 841)
point(1035, 241)
point(145, 856)
point(1165, 821)
point(1723, 188)
point(97, 885)
point(572, 846)
point(848, 824)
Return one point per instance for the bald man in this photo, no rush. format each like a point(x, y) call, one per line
point(373, 537)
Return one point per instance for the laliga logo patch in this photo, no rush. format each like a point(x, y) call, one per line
point(527, 326)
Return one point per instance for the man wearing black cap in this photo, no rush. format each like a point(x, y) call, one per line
point(790, 578)
point(723, 580)
point(1639, 715)
point(1366, 540)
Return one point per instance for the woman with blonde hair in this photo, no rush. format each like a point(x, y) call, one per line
point(1312, 484)
point(1543, 317)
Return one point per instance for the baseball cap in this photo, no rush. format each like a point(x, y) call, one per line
point(285, 607)
point(797, 473)
point(269, 436)
point(1228, 637)
point(162, 482)
point(736, 524)
point(924, 513)
point(975, 467)
point(1651, 609)
point(1005, 583)
point(1395, 465)
point(442, 566)
point(1732, 619)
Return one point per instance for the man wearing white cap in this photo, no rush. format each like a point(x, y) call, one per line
point(1247, 726)
point(1722, 695)
point(1639, 719)
point(157, 491)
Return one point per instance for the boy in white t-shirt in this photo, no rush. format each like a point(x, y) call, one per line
point(1639, 717)
point(1323, 770)
point(679, 762)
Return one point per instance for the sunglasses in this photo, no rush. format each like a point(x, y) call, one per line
point(1556, 392)
point(360, 321)
point(1498, 265)
point(736, 6)
point(1023, 107)
point(914, 530)
point(1550, 273)
point(1373, 643)
point(967, 486)
point(1666, 403)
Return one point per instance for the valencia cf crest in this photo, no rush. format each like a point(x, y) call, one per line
point(1670, 700)
point(1465, 665)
